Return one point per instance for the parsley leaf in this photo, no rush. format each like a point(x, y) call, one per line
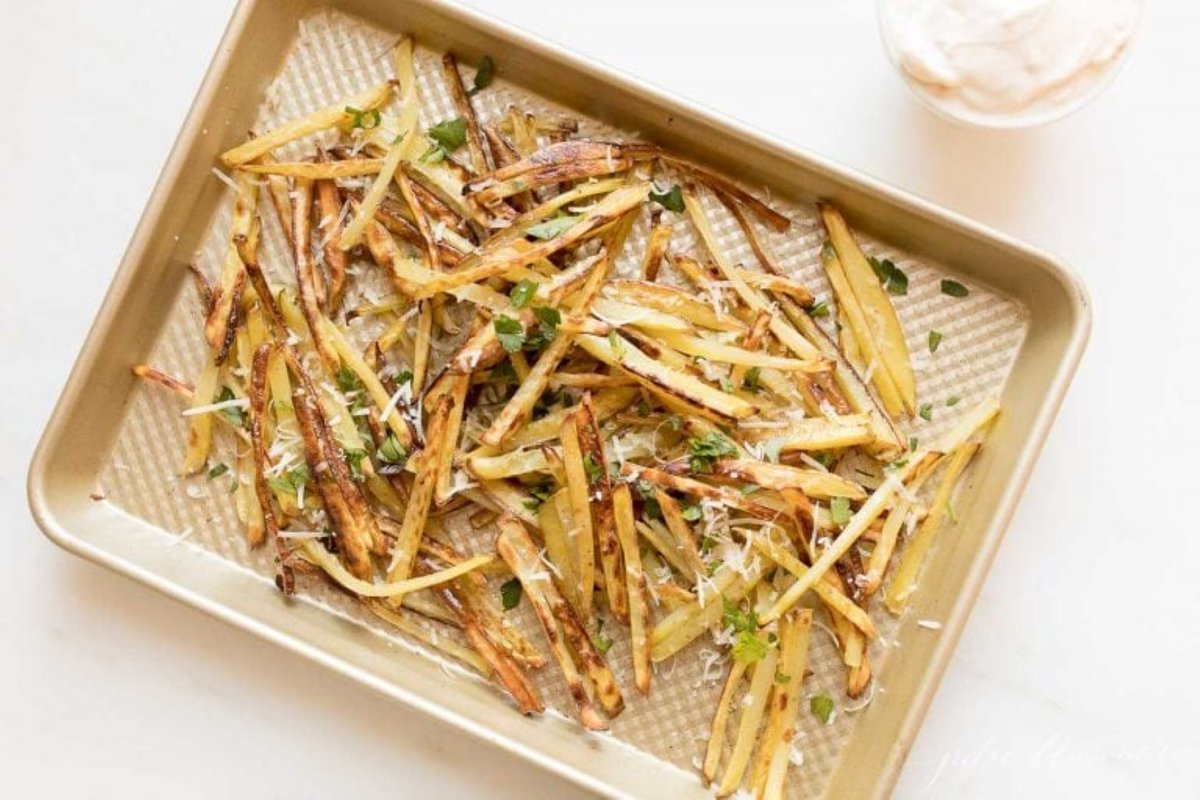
point(510, 593)
point(650, 505)
point(232, 413)
point(954, 288)
point(753, 381)
point(602, 642)
point(748, 647)
point(392, 452)
point(509, 332)
point(821, 706)
point(551, 227)
point(935, 338)
point(819, 309)
point(782, 677)
point(926, 412)
point(368, 119)
point(692, 513)
point(217, 471)
point(522, 293)
point(548, 320)
point(291, 481)
point(354, 459)
point(891, 276)
point(594, 471)
point(953, 400)
point(839, 510)
point(446, 137)
point(707, 449)
point(483, 76)
point(671, 200)
point(617, 343)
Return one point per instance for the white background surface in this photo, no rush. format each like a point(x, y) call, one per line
point(1077, 672)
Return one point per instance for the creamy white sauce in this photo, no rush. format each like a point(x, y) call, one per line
point(1007, 58)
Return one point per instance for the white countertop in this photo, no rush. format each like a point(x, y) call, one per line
point(1076, 675)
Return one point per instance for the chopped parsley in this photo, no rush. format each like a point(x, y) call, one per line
point(913, 441)
point(483, 76)
point(217, 471)
point(935, 339)
point(954, 288)
point(602, 642)
point(953, 400)
point(892, 277)
point(509, 332)
point(354, 459)
point(291, 481)
point(821, 706)
point(926, 412)
point(548, 321)
point(692, 513)
point(671, 200)
point(551, 227)
point(819, 309)
point(782, 677)
point(747, 647)
point(392, 452)
point(594, 471)
point(753, 381)
point(367, 119)
point(839, 510)
point(616, 343)
point(704, 452)
point(231, 413)
point(650, 504)
point(522, 293)
point(510, 593)
point(445, 138)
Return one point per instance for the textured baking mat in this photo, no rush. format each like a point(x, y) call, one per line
point(335, 56)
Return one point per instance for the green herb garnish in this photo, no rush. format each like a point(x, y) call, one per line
point(392, 452)
point(954, 288)
point(231, 413)
point(819, 309)
point(522, 293)
point(839, 510)
point(551, 227)
point(821, 706)
point(217, 471)
point(892, 277)
point(926, 412)
point(367, 119)
point(354, 459)
point(446, 137)
point(616, 343)
point(594, 471)
point(753, 381)
point(671, 200)
point(747, 647)
point(510, 593)
point(935, 339)
point(692, 513)
point(509, 332)
point(483, 76)
point(703, 452)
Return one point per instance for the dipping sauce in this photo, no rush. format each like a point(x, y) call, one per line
point(1007, 62)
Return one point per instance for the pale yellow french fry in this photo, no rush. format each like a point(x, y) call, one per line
point(785, 706)
point(580, 529)
point(199, 438)
point(883, 323)
point(317, 121)
point(905, 580)
point(635, 578)
point(749, 722)
point(716, 737)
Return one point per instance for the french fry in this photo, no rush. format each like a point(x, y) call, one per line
point(785, 704)
point(853, 530)
point(317, 121)
point(715, 351)
point(671, 300)
point(716, 737)
point(908, 570)
point(748, 722)
point(393, 589)
point(882, 325)
point(819, 433)
point(814, 483)
point(329, 210)
point(639, 608)
point(404, 551)
point(682, 533)
point(601, 503)
point(559, 549)
point(580, 528)
point(199, 437)
point(562, 627)
point(656, 246)
point(285, 577)
point(826, 590)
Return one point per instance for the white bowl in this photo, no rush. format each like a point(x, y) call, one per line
point(958, 113)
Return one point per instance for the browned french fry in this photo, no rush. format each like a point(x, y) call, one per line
point(786, 697)
point(656, 245)
point(814, 483)
point(600, 499)
point(682, 532)
point(561, 625)
point(285, 578)
point(404, 551)
point(458, 94)
point(317, 171)
point(580, 528)
point(330, 225)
